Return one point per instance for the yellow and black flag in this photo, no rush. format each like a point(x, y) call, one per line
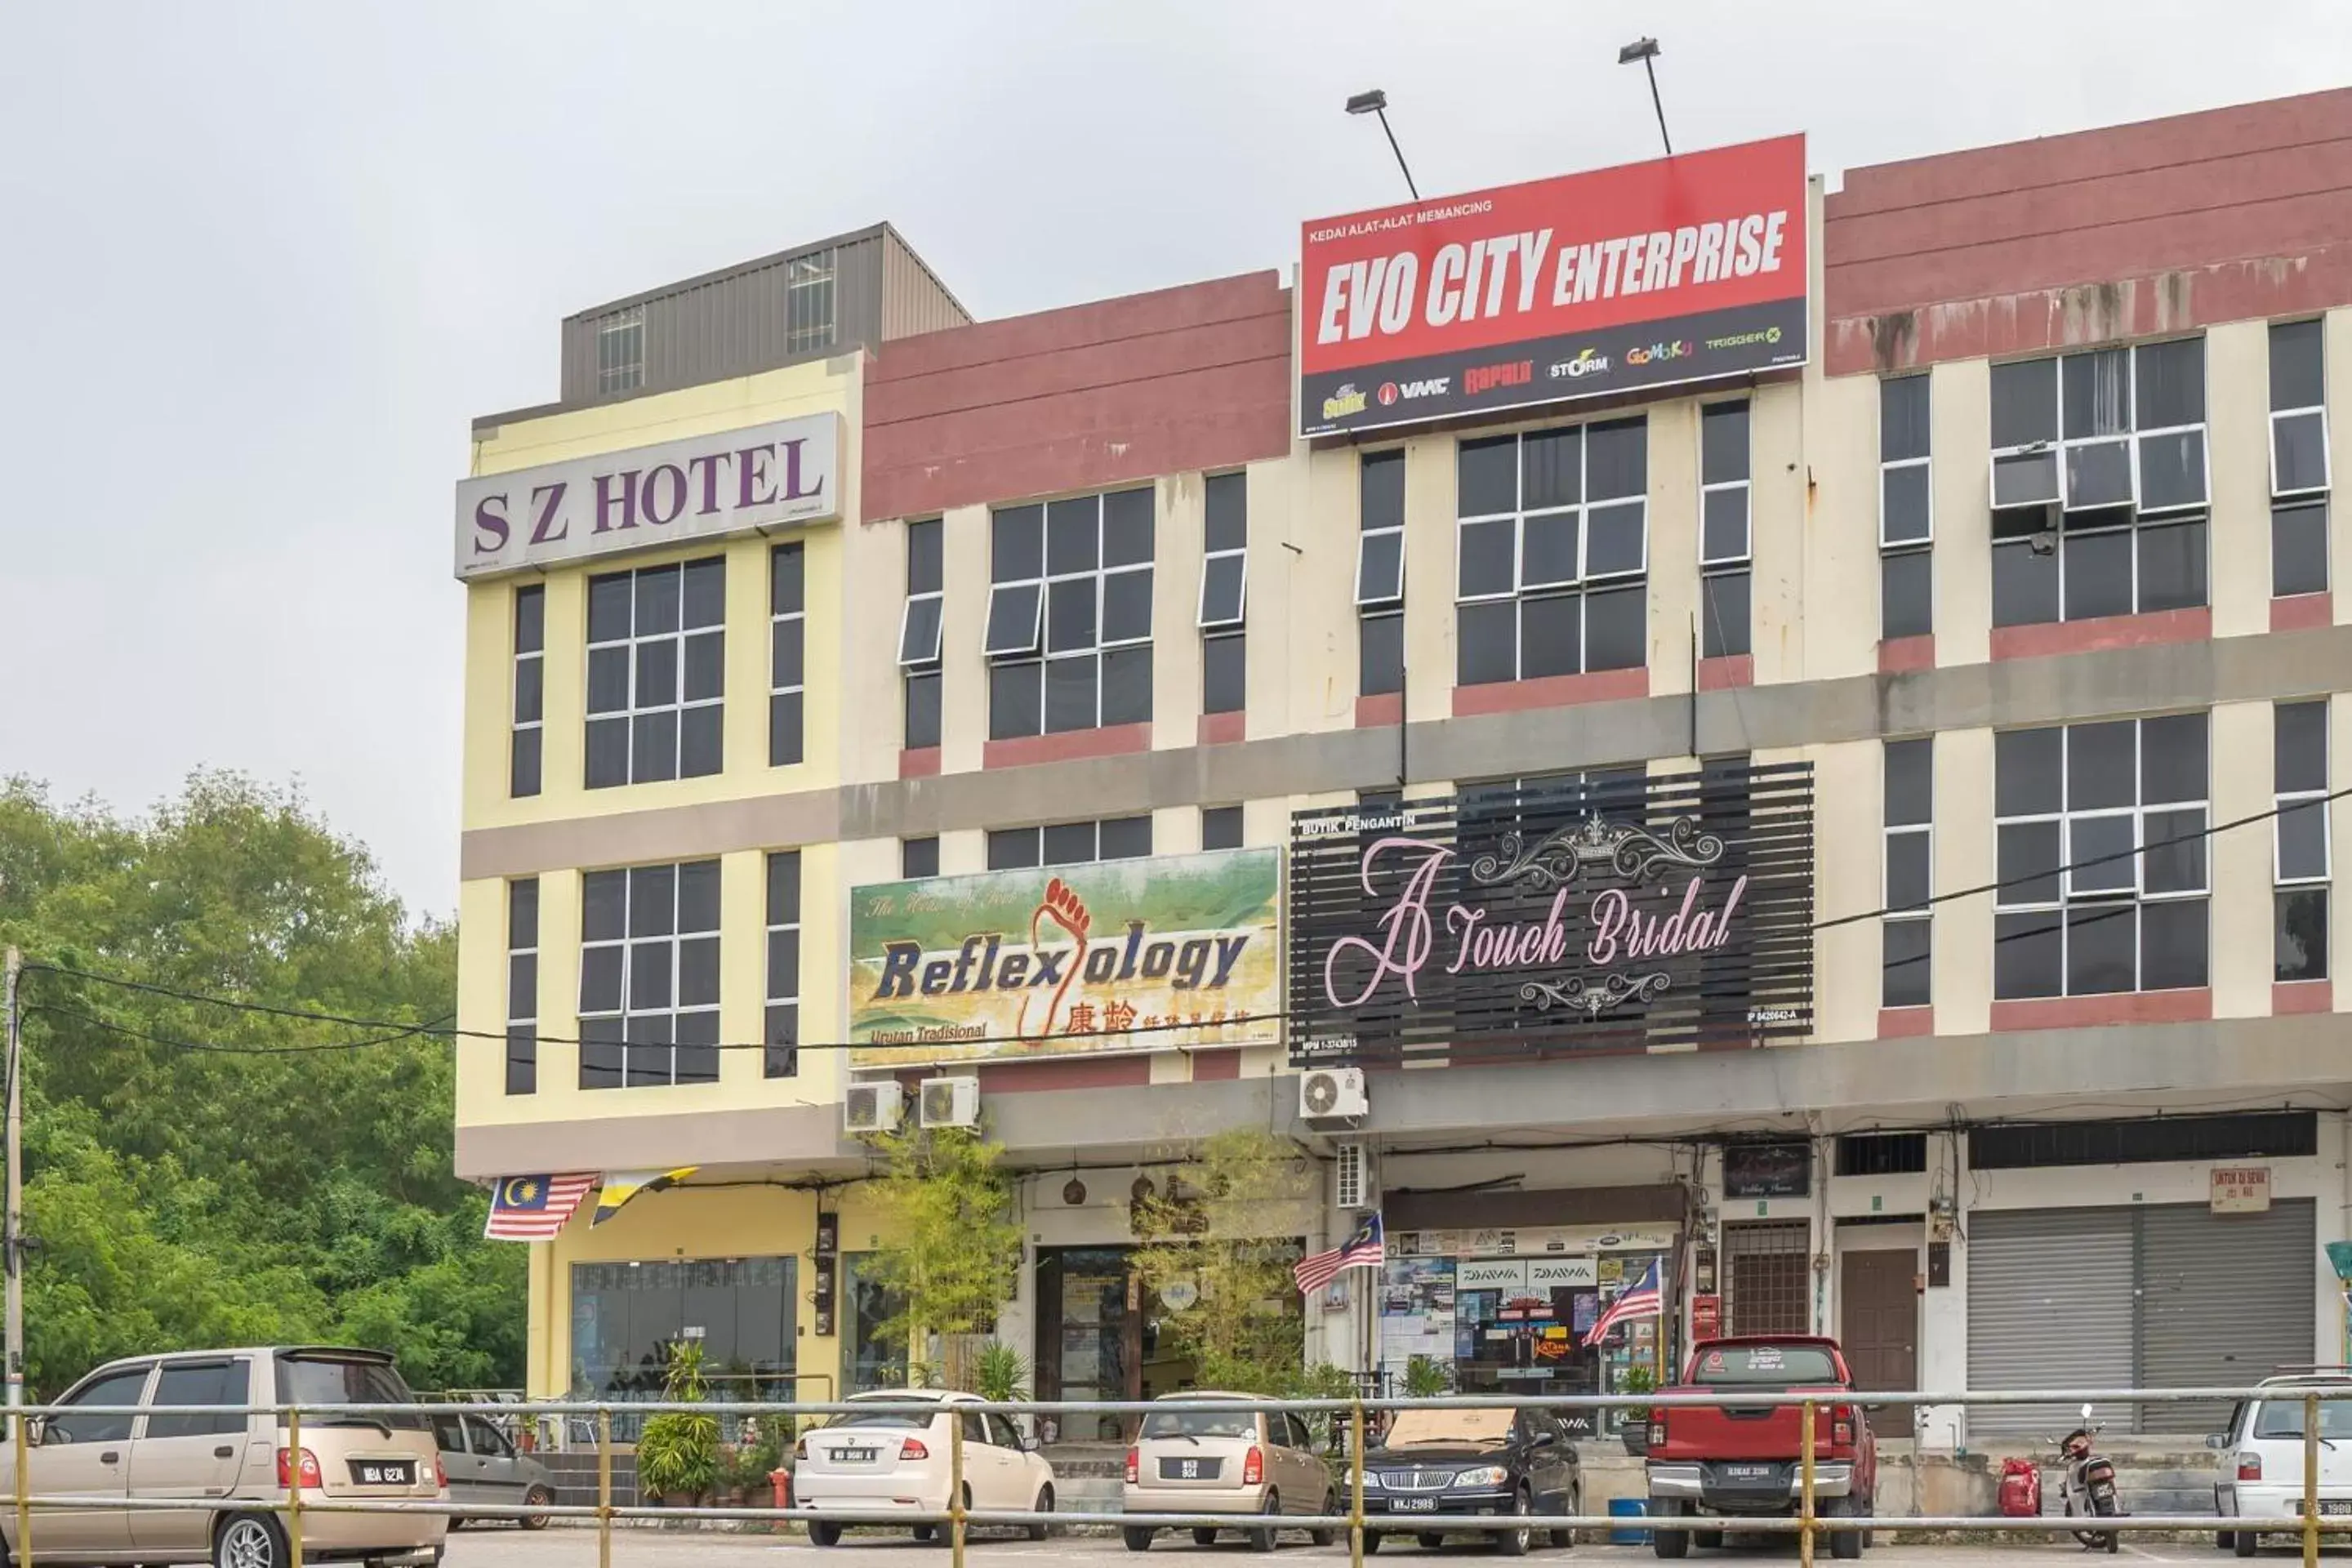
point(620, 1186)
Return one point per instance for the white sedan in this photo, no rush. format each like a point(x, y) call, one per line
point(892, 1456)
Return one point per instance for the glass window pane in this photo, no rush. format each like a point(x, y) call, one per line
point(1221, 591)
point(1011, 848)
point(1379, 569)
point(1127, 605)
point(2172, 566)
point(2299, 548)
point(698, 972)
point(1907, 963)
point(2026, 479)
point(2302, 842)
point(1127, 527)
point(522, 913)
point(1906, 594)
point(531, 619)
point(2102, 948)
point(1488, 638)
point(1226, 500)
point(1220, 827)
point(1550, 636)
point(1127, 685)
point(705, 586)
point(1012, 617)
point(926, 555)
point(653, 747)
point(784, 965)
point(1015, 700)
point(2173, 945)
point(652, 900)
point(657, 684)
point(1379, 654)
point(2171, 382)
point(2300, 933)
point(2028, 862)
point(529, 703)
point(1126, 839)
point(2024, 586)
point(608, 679)
point(599, 1048)
point(1902, 417)
point(1223, 673)
point(1723, 624)
point(2102, 763)
point(702, 736)
point(658, 600)
point(2299, 453)
point(2173, 860)
point(2299, 747)
point(2098, 475)
point(1487, 477)
point(2297, 379)
point(1550, 463)
point(2099, 855)
point(1617, 628)
point(1074, 534)
point(706, 660)
point(1722, 442)
point(918, 634)
point(1549, 550)
point(1614, 539)
point(2172, 471)
point(2097, 390)
point(1489, 563)
point(1909, 878)
point(922, 710)
point(603, 904)
point(1070, 694)
point(600, 979)
point(1910, 782)
point(1070, 615)
point(1616, 459)
point(2028, 768)
point(1380, 490)
point(523, 774)
point(2024, 403)
point(1904, 504)
point(1016, 543)
point(2172, 758)
point(919, 857)
point(1070, 843)
point(522, 1059)
point(2027, 956)
point(1723, 533)
point(608, 607)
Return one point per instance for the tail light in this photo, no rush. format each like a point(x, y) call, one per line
point(1842, 1426)
point(800, 1452)
point(1658, 1427)
point(1134, 1468)
point(1253, 1467)
point(912, 1448)
point(440, 1473)
point(311, 1475)
point(2249, 1466)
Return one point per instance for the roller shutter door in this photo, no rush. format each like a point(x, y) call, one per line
point(2226, 1300)
point(2049, 1306)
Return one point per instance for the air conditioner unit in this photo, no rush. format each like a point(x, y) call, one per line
point(1332, 1094)
point(949, 1102)
point(872, 1107)
point(1352, 1186)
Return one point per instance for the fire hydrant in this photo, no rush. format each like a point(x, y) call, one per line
point(781, 1481)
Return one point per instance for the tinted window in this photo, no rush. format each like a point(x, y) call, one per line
point(1199, 1423)
point(1771, 1365)
point(2284, 1418)
point(115, 1388)
point(210, 1383)
point(449, 1434)
point(308, 1380)
point(487, 1439)
point(901, 1415)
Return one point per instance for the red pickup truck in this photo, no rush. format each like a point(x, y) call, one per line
point(1743, 1461)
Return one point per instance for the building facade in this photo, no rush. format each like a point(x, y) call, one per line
point(1971, 629)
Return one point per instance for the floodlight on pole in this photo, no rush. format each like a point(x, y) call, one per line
point(1377, 102)
point(1646, 51)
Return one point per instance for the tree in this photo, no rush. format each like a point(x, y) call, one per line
point(956, 1250)
point(1221, 1232)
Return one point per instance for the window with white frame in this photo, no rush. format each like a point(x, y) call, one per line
point(2301, 473)
point(1070, 615)
point(809, 303)
point(781, 1056)
point(1907, 926)
point(787, 653)
point(621, 353)
point(918, 631)
point(656, 673)
point(2300, 842)
point(1070, 843)
point(522, 986)
point(527, 746)
point(1552, 548)
point(2101, 857)
point(649, 975)
point(1224, 594)
point(1907, 511)
point(2099, 484)
point(1725, 537)
point(1380, 573)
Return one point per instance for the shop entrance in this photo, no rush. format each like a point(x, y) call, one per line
point(1097, 1338)
point(1878, 1324)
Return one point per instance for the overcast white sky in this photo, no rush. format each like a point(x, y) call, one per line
point(267, 261)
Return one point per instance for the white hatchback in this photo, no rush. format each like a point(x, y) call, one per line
point(2262, 1461)
point(893, 1456)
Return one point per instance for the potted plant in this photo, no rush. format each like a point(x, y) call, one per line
point(1635, 1432)
point(677, 1452)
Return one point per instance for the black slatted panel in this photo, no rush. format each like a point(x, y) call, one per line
point(1374, 895)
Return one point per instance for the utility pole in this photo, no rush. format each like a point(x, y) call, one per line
point(13, 1241)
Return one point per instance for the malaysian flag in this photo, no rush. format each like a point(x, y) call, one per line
point(1367, 1248)
point(1639, 1300)
point(534, 1209)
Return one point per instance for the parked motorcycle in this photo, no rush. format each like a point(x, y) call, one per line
point(2087, 1484)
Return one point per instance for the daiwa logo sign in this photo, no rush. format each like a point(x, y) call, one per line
point(1391, 392)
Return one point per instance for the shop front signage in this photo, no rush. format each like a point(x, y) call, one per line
point(1783, 1170)
point(782, 475)
point(1673, 910)
point(1679, 269)
point(2241, 1189)
point(1115, 955)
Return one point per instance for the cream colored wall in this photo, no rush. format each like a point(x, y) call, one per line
point(1959, 438)
point(1836, 539)
point(2239, 863)
point(1960, 965)
point(2237, 416)
point(1674, 544)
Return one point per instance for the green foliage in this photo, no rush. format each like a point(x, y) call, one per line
point(1426, 1378)
point(677, 1452)
point(747, 1465)
point(266, 1188)
point(1000, 1373)
point(1637, 1379)
point(941, 1197)
point(1218, 1229)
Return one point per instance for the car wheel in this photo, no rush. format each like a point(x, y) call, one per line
point(1138, 1537)
point(1566, 1538)
point(1327, 1535)
point(823, 1533)
point(1371, 1542)
point(1668, 1543)
point(1203, 1536)
point(2245, 1543)
point(247, 1541)
point(1045, 1504)
point(1844, 1545)
point(536, 1496)
point(1514, 1543)
point(1265, 1537)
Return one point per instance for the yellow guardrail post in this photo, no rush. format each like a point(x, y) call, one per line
point(1805, 1491)
point(955, 1488)
point(2311, 1480)
point(1355, 1485)
point(294, 1486)
point(603, 1486)
point(24, 1491)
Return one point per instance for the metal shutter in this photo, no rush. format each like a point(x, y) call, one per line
point(2049, 1306)
point(1766, 1277)
point(2225, 1300)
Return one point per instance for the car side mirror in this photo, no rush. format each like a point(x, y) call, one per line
point(1546, 1439)
point(2217, 1439)
point(1874, 1407)
point(35, 1429)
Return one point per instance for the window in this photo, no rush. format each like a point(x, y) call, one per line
point(2300, 841)
point(1070, 843)
point(1726, 542)
point(808, 302)
point(2149, 1139)
point(1881, 1153)
point(918, 631)
point(1907, 511)
point(211, 1383)
point(1224, 589)
point(1070, 615)
point(1380, 573)
point(1220, 827)
point(2115, 441)
point(2300, 470)
point(1910, 796)
point(649, 975)
point(621, 354)
point(919, 857)
point(522, 986)
point(529, 690)
point(787, 653)
point(115, 1388)
point(2101, 857)
point(783, 1032)
point(656, 672)
point(629, 1317)
point(1553, 543)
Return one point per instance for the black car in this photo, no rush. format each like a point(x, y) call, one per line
point(1434, 1465)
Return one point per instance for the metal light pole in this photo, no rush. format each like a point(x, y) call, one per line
point(14, 1240)
point(1646, 51)
point(1377, 102)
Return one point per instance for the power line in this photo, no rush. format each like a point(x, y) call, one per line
point(207, 1047)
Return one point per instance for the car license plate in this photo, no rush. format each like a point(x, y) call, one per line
point(856, 1456)
point(383, 1472)
point(1747, 1472)
point(2336, 1504)
point(1412, 1505)
point(1190, 1470)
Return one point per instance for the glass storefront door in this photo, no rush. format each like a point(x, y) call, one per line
point(1089, 1343)
point(874, 1360)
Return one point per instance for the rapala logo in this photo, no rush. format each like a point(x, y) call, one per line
point(1658, 353)
point(1488, 377)
point(1347, 400)
point(1585, 363)
point(1432, 386)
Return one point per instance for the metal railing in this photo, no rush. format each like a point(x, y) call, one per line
point(1807, 1521)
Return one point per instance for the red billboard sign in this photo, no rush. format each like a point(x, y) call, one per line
point(1682, 269)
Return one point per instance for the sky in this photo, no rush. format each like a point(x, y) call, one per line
point(270, 259)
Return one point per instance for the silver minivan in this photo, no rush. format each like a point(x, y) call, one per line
point(216, 1462)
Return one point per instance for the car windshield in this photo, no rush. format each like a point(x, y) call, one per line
point(1429, 1428)
point(2284, 1418)
point(1199, 1423)
point(1771, 1366)
point(898, 1415)
point(309, 1379)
